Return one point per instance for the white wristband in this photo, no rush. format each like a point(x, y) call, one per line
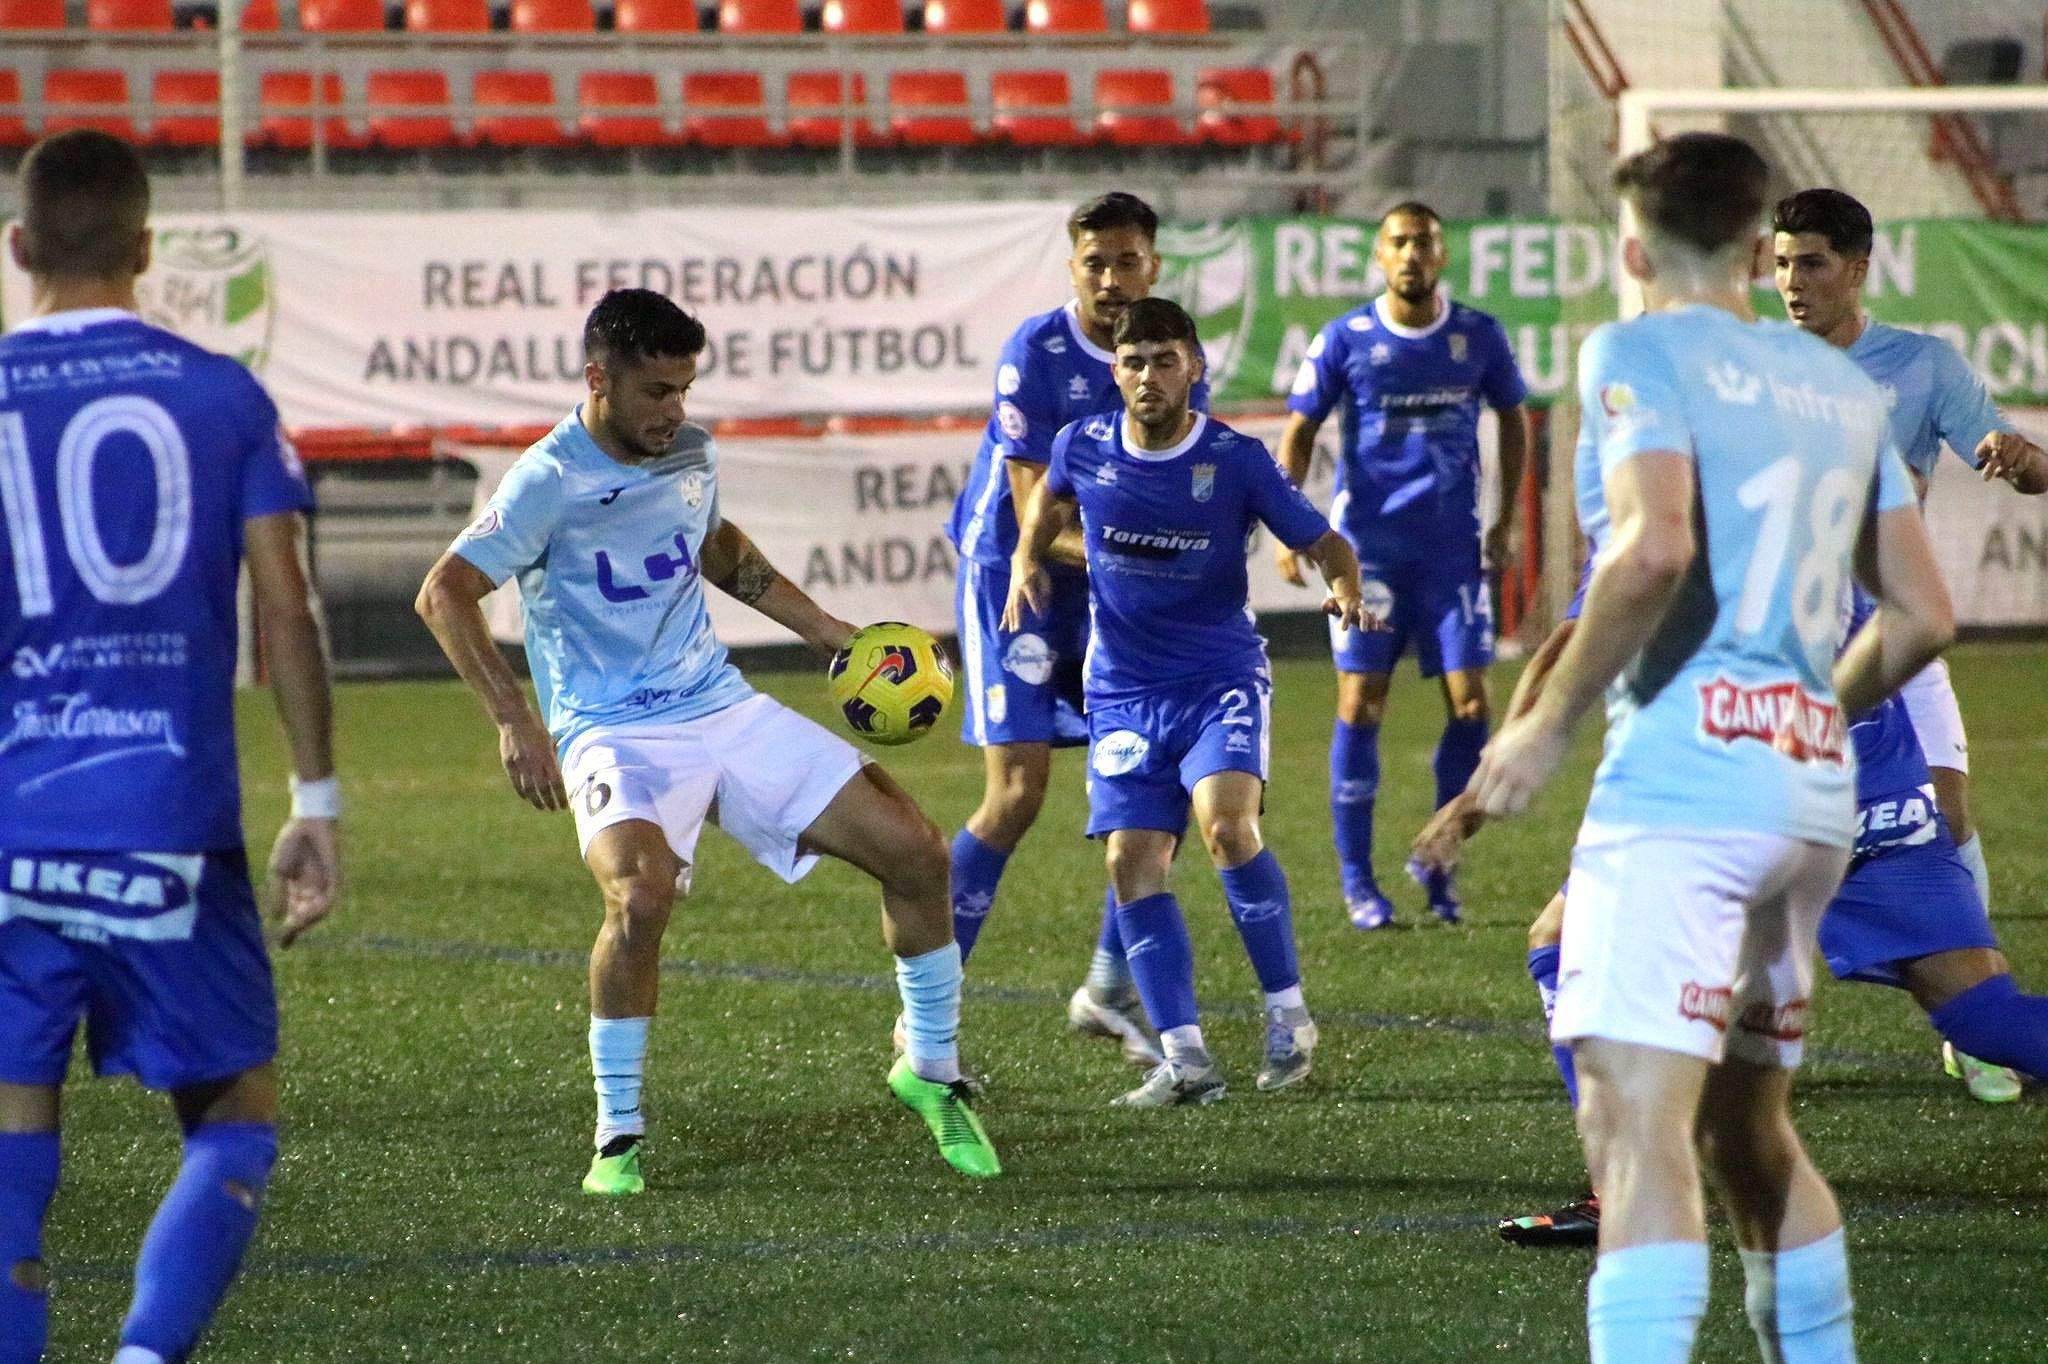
point(316, 799)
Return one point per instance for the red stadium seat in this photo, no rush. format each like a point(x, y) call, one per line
point(341, 16)
point(965, 16)
point(280, 92)
point(260, 16)
point(1123, 95)
point(726, 90)
point(447, 16)
point(911, 92)
point(25, 15)
point(1237, 104)
point(826, 90)
point(129, 16)
point(13, 127)
point(863, 16)
point(601, 91)
point(67, 93)
point(196, 97)
point(408, 128)
point(655, 16)
point(1168, 16)
point(1066, 16)
point(532, 94)
point(553, 16)
point(1034, 127)
point(760, 16)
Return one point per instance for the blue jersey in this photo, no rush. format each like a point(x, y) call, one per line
point(1727, 718)
point(1169, 597)
point(607, 557)
point(1050, 374)
point(1933, 395)
point(1408, 469)
point(129, 460)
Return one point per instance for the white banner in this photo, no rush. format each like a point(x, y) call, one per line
point(387, 319)
point(1992, 542)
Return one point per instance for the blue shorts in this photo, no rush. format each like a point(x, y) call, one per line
point(160, 955)
point(1442, 609)
point(1023, 686)
point(1901, 904)
point(1146, 755)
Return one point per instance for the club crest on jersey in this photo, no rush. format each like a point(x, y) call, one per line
point(1733, 384)
point(1784, 715)
point(693, 488)
point(1202, 486)
point(1460, 348)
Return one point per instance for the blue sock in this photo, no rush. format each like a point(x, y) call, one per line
point(28, 1181)
point(1645, 1303)
point(977, 869)
point(1109, 973)
point(1457, 757)
point(1994, 1022)
point(1799, 1302)
point(1543, 970)
point(1259, 906)
point(195, 1244)
point(1162, 959)
point(1354, 782)
point(929, 986)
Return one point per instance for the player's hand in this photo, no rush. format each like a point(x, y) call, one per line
point(1030, 594)
point(529, 757)
point(1500, 544)
point(1348, 608)
point(1442, 840)
point(2007, 455)
point(305, 875)
point(1289, 563)
point(1515, 766)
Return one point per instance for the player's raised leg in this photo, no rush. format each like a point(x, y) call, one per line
point(636, 872)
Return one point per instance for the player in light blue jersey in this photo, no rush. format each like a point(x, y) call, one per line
point(1411, 371)
point(138, 475)
point(1178, 688)
point(1731, 470)
point(645, 730)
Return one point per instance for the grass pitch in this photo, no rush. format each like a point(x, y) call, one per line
point(439, 1107)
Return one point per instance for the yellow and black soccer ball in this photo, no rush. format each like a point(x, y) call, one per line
point(892, 682)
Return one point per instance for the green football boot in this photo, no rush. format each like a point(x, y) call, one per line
point(615, 1170)
point(947, 1112)
point(1988, 1084)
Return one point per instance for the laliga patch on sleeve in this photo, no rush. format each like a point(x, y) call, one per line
point(1011, 419)
point(1008, 380)
point(487, 524)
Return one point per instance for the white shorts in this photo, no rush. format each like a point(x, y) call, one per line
point(1931, 704)
point(1695, 941)
point(759, 770)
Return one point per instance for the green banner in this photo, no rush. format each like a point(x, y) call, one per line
point(1261, 288)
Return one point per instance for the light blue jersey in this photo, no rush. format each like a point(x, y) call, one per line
point(1727, 718)
point(607, 558)
point(1932, 393)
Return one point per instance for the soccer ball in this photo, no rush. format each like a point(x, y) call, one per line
point(891, 682)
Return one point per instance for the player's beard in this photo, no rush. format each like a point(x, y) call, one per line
point(1164, 424)
point(1413, 288)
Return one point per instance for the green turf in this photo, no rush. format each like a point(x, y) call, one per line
point(438, 1096)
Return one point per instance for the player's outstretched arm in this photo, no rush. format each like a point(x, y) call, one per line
point(1044, 517)
point(2014, 458)
point(1334, 559)
point(305, 862)
point(1295, 452)
point(736, 566)
point(1914, 620)
point(450, 603)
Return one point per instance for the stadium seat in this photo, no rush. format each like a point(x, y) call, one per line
point(826, 90)
point(945, 92)
point(69, 89)
point(196, 97)
point(280, 92)
point(862, 16)
point(532, 94)
point(401, 128)
point(598, 92)
point(1033, 126)
point(13, 127)
point(129, 16)
point(1168, 16)
point(341, 16)
point(1066, 16)
point(1237, 104)
point(447, 16)
point(760, 16)
point(739, 91)
point(553, 16)
point(965, 16)
point(655, 16)
point(260, 16)
point(1123, 95)
point(25, 15)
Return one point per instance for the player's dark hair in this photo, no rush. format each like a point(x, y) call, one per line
point(85, 202)
point(1110, 211)
point(628, 325)
point(1413, 208)
point(1155, 319)
point(1705, 189)
point(1839, 217)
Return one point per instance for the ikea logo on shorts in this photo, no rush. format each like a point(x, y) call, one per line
point(97, 896)
point(1119, 752)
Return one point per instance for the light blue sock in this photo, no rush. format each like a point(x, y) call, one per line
point(1354, 783)
point(1645, 1303)
point(1799, 1302)
point(1261, 909)
point(929, 986)
point(977, 871)
point(618, 1061)
point(28, 1181)
point(1109, 974)
point(1972, 854)
point(195, 1244)
point(1162, 959)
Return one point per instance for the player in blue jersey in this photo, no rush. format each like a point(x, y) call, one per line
point(1731, 470)
point(1821, 246)
point(1410, 371)
point(645, 730)
point(1023, 685)
point(1177, 684)
point(138, 474)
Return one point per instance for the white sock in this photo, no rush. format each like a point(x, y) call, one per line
point(1645, 1303)
point(1972, 854)
point(618, 1060)
point(929, 985)
point(1289, 998)
point(1799, 1302)
point(1184, 1042)
point(135, 1354)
